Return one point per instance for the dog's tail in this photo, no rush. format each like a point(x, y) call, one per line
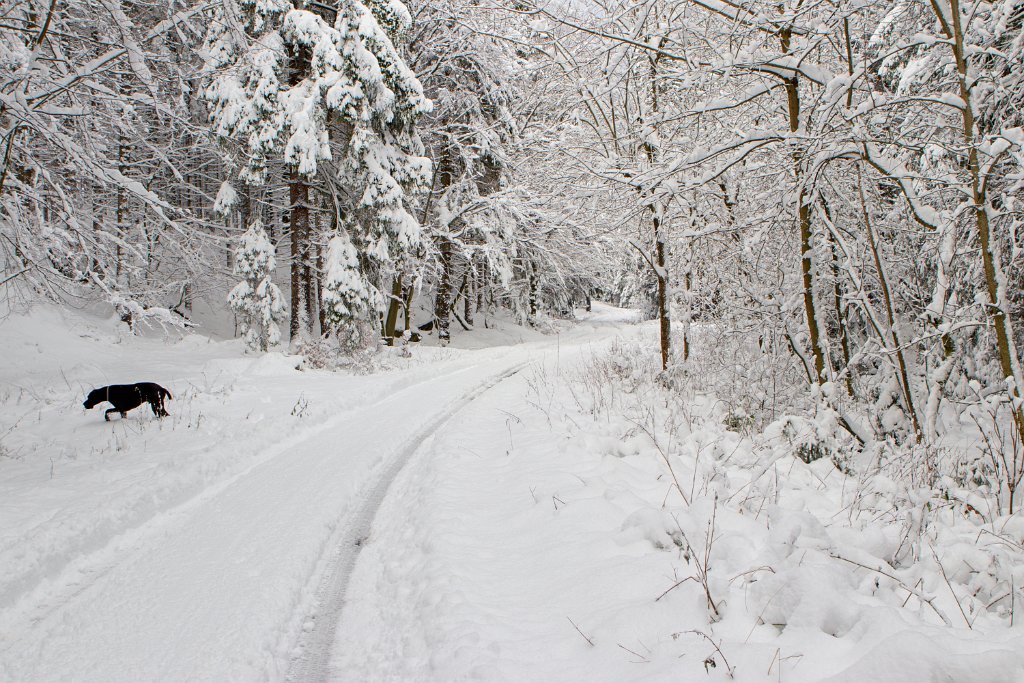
point(166, 393)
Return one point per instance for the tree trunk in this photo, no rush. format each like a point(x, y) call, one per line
point(319, 274)
point(660, 248)
point(391, 321)
point(664, 314)
point(531, 283)
point(482, 291)
point(804, 219)
point(119, 217)
point(309, 275)
point(467, 286)
point(883, 282)
point(841, 322)
point(443, 301)
point(408, 294)
point(298, 228)
point(687, 308)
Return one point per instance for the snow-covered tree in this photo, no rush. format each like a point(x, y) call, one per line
point(99, 153)
point(256, 300)
point(347, 297)
point(319, 89)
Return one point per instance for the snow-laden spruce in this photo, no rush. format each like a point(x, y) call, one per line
point(256, 300)
point(325, 92)
point(346, 297)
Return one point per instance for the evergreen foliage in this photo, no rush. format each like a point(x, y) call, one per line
point(256, 300)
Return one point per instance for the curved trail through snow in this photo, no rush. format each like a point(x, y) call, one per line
point(312, 664)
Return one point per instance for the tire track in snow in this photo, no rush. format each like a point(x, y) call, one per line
point(312, 663)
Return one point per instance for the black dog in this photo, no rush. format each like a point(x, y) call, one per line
point(125, 397)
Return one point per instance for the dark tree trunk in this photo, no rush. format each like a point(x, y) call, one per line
point(308, 277)
point(319, 275)
point(443, 301)
point(299, 232)
point(408, 294)
point(792, 86)
point(664, 315)
point(391, 322)
point(467, 286)
point(531, 275)
point(119, 216)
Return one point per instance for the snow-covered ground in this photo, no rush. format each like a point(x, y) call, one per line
point(486, 511)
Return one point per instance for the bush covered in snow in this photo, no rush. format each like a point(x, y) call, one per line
point(790, 533)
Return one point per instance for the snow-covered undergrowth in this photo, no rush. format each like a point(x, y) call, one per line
point(793, 555)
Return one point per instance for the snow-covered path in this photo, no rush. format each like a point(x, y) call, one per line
point(477, 570)
point(215, 589)
point(228, 571)
point(316, 645)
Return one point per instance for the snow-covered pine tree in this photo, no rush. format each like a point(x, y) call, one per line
point(347, 298)
point(256, 300)
point(326, 85)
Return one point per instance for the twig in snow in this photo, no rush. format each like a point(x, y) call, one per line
point(942, 570)
point(709, 662)
point(643, 660)
point(664, 457)
point(674, 586)
point(585, 636)
point(913, 591)
point(702, 566)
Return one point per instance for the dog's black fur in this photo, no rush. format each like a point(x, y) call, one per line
point(125, 397)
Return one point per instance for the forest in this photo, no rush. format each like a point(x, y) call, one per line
point(818, 205)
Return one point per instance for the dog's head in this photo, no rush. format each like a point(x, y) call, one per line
point(95, 396)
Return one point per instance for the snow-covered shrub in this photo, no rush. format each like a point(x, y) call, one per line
point(736, 421)
point(996, 466)
point(319, 355)
point(808, 439)
point(344, 354)
point(888, 415)
point(256, 300)
point(757, 381)
point(625, 367)
point(226, 200)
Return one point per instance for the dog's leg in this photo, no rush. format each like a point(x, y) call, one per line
point(157, 404)
point(106, 415)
